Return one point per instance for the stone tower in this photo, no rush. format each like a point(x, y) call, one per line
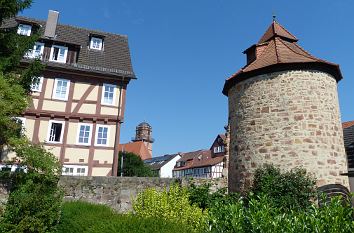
point(283, 110)
point(143, 133)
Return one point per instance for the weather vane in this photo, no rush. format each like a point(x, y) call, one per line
point(274, 16)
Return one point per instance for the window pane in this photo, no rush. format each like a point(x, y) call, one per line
point(84, 134)
point(24, 29)
point(108, 94)
point(55, 53)
point(102, 135)
point(55, 132)
point(61, 89)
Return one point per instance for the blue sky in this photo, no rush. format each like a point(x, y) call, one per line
point(183, 50)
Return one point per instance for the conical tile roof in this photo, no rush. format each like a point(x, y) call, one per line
point(279, 51)
point(275, 29)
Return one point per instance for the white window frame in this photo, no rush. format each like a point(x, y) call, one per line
point(31, 53)
point(219, 149)
point(59, 47)
point(49, 129)
point(54, 96)
point(78, 134)
point(74, 167)
point(96, 136)
point(92, 43)
point(114, 94)
point(38, 86)
point(27, 27)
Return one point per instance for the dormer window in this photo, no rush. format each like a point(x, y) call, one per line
point(58, 53)
point(24, 29)
point(36, 52)
point(219, 149)
point(96, 43)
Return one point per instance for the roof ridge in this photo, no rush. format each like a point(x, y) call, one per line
point(276, 51)
point(284, 29)
point(73, 26)
point(319, 59)
point(307, 54)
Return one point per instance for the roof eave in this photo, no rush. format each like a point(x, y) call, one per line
point(330, 68)
point(67, 68)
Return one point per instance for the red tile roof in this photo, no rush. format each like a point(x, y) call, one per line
point(138, 148)
point(200, 158)
point(280, 52)
point(275, 29)
point(347, 124)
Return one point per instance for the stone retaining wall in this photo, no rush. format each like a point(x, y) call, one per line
point(116, 192)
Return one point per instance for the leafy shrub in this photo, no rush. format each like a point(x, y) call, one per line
point(289, 190)
point(172, 205)
point(260, 215)
point(85, 217)
point(205, 199)
point(35, 199)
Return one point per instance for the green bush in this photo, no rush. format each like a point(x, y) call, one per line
point(294, 189)
point(172, 205)
point(77, 217)
point(260, 215)
point(35, 199)
point(205, 199)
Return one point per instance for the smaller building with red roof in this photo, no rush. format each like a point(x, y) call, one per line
point(203, 163)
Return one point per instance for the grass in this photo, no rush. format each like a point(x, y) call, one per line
point(77, 217)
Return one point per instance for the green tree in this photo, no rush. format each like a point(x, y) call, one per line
point(34, 201)
point(15, 81)
point(134, 166)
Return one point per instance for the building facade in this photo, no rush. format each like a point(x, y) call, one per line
point(283, 110)
point(204, 163)
point(163, 165)
point(79, 100)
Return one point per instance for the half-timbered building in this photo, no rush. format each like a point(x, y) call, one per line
point(203, 163)
point(78, 104)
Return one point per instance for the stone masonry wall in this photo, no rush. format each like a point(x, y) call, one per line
point(118, 192)
point(115, 192)
point(289, 119)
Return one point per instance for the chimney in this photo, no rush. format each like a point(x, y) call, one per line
point(51, 24)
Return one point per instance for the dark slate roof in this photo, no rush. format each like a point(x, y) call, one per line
point(113, 59)
point(157, 162)
point(278, 50)
point(348, 133)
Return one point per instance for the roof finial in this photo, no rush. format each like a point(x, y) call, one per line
point(274, 16)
